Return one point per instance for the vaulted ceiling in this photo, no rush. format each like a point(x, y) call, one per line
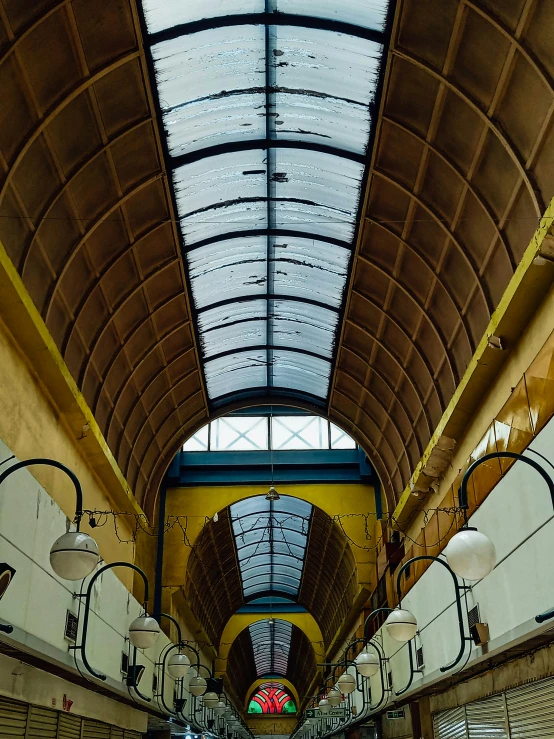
point(458, 174)
point(287, 550)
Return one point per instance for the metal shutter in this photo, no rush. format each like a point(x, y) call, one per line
point(69, 727)
point(42, 723)
point(487, 719)
point(95, 730)
point(531, 710)
point(13, 719)
point(450, 724)
point(132, 735)
point(117, 733)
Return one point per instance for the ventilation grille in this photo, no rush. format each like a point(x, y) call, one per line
point(71, 627)
point(419, 657)
point(473, 616)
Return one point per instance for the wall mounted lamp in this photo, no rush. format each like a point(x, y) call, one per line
point(402, 624)
point(470, 556)
point(74, 555)
point(143, 631)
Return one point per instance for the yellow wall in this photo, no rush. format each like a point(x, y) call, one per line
point(199, 503)
point(31, 425)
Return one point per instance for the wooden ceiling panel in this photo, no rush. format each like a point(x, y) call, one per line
point(425, 26)
point(90, 224)
point(464, 196)
point(103, 27)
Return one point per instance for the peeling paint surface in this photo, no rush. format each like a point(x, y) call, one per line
point(267, 230)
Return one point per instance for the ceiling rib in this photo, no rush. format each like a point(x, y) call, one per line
point(266, 232)
point(268, 143)
point(266, 296)
point(270, 347)
point(266, 19)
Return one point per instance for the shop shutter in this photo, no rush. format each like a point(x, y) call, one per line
point(531, 710)
point(69, 727)
point(95, 730)
point(450, 724)
point(487, 719)
point(42, 723)
point(13, 719)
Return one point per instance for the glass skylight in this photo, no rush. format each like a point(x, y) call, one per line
point(271, 645)
point(267, 108)
point(271, 539)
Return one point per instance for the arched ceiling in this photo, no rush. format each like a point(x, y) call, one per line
point(459, 171)
point(274, 649)
point(286, 549)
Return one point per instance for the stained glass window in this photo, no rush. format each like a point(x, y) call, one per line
point(271, 698)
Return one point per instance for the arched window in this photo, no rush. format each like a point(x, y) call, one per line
point(271, 698)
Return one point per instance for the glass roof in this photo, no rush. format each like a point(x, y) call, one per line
point(267, 109)
point(271, 645)
point(271, 539)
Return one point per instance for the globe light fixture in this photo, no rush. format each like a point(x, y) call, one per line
point(401, 625)
point(324, 705)
point(367, 663)
point(347, 683)
point(334, 696)
point(74, 555)
point(178, 665)
point(220, 709)
point(210, 700)
point(471, 554)
point(144, 632)
point(197, 685)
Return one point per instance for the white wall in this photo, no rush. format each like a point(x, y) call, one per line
point(519, 518)
point(37, 599)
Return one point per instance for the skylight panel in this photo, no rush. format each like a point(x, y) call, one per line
point(268, 113)
point(271, 539)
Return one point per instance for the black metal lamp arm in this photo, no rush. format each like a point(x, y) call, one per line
point(58, 465)
point(457, 589)
point(83, 646)
point(463, 497)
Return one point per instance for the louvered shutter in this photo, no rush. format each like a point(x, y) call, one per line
point(531, 710)
point(42, 723)
point(487, 719)
point(69, 727)
point(116, 733)
point(450, 724)
point(13, 719)
point(95, 730)
point(132, 735)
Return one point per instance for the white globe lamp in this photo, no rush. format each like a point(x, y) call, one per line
point(346, 683)
point(219, 710)
point(74, 555)
point(471, 554)
point(210, 700)
point(197, 685)
point(334, 696)
point(324, 705)
point(401, 625)
point(178, 665)
point(367, 663)
point(144, 632)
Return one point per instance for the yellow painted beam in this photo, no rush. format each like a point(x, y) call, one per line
point(524, 293)
point(26, 325)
